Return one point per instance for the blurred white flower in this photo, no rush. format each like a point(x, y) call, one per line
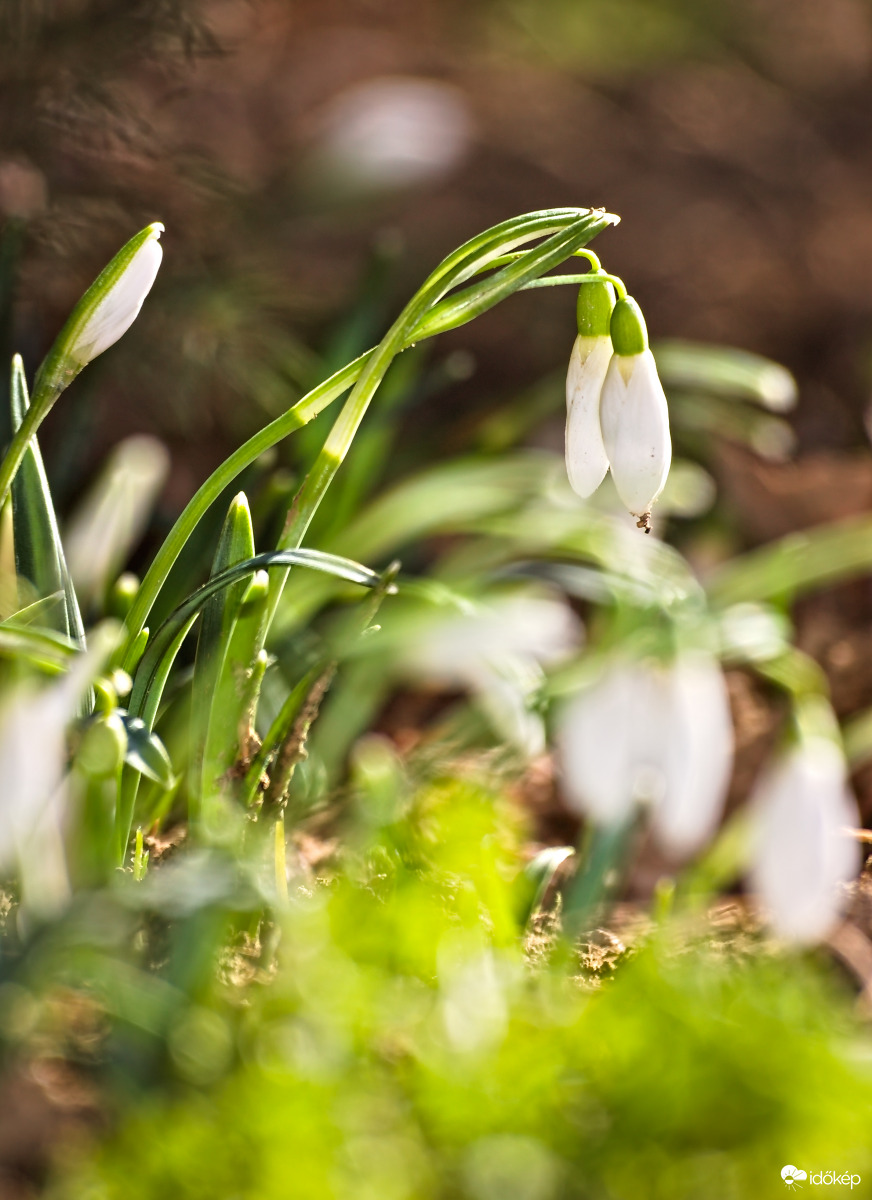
point(33, 762)
point(802, 854)
point(497, 651)
point(112, 516)
point(697, 754)
point(602, 743)
point(659, 735)
point(586, 459)
point(117, 306)
point(635, 430)
point(393, 132)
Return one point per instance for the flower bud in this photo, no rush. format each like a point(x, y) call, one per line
point(112, 303)
point(103, 746)
point(634, 416)
point(803, 854)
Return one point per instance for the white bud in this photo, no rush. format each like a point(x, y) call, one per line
point(116, 306)
point(697, 752)
point(586, 460)
point(635, 430)
point(802, 852)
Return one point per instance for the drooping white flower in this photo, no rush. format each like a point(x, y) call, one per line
point(586, 459)
point(633, 414)
point(659, 735)
point(635, 428)
point(802, 855)
point(697, 754)
point(112, 303)
point(601, 744)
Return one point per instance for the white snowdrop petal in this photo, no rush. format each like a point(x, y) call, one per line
point(586, 459)
point(598, 744)
point(697, 755)
point(802, 856)
point(115, 312)
point(635, 429)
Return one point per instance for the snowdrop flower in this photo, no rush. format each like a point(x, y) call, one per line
point(602, 746)
point(586, 459)
point(634, 416)
point(112, 303)
point(697, 751)
point(658, 735)
point(106, 311)
point(802, 855)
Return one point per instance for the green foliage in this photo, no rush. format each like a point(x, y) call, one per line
point(402, 1050)
point(322, 962)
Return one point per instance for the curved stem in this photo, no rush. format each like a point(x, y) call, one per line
point(558, 280)
point(295, 418)
point(479, 253)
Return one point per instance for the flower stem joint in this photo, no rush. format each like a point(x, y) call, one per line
point(616, 409)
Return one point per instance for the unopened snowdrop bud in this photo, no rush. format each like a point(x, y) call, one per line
point(803, 854)
point(586, 459)
point(112, 303)
point(106, 311)
point(634, 416)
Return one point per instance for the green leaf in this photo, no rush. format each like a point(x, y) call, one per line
point(184, 615)
point(39, 555)
point(800, 562)
point(217, 624)
point(146, 753)
point(536, 879)
point(696, 366)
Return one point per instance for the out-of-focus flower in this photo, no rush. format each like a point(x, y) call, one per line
point(497, 652)
point(602, 744)
point(392, 132)
point(634, 415)
point(697, 754)
point(33, 759)
point(112, 303)
point(111, 518)
point(657, 735)
point(586, 459)
point(802, 854)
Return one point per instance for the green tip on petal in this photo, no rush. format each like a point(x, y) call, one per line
point(594, 308)
point(628, 329)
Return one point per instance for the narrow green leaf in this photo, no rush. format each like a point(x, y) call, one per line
point(39, 555)
point(236, 693)
point(217, 623)
point(146, 753)
point(536, 879)
point(725, 371)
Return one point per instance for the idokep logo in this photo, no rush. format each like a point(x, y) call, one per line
point(794, 1178)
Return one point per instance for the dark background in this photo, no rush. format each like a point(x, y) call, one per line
point(735, 141)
